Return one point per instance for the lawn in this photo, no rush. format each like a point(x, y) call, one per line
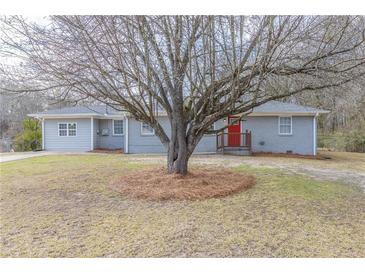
point(62, 206)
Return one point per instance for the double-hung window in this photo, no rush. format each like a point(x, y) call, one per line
point(285, 125)
point(118, 127)
point(67, 129)
point(146, 129)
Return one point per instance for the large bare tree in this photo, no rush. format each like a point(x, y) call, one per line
point(195, 69)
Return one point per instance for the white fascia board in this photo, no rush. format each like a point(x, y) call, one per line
point(159, 114)
point(76, 115)
point(83, 115)
point(284, 113)
point(112, 116)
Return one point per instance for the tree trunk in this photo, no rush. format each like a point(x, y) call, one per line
point(177, 160)
point(178, 155)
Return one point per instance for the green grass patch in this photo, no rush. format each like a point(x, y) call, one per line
point(297, 184)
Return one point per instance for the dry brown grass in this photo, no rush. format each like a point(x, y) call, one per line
point(62, 206)
point(198, 184)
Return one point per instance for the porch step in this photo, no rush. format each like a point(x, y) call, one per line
point(236, 151)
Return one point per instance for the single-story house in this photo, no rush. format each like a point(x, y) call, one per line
point(272, 127)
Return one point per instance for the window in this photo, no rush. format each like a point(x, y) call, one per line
point(117, 127)
point(67, 129)
point(71, 129)
point(146, 129)
point(285, 125)
point(62, 129)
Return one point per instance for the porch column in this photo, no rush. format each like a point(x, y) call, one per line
point(126, 136)
point(43, 135)
point(92, 134)
point(315, 134)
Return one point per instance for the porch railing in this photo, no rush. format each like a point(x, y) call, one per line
point(233, 140)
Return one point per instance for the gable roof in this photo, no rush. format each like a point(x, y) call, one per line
point(85, 111)
point(276, 107)
point(269, 108)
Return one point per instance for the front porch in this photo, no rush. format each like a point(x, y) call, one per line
point(234, 143)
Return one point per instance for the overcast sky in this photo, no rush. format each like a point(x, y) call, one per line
point(38, 19)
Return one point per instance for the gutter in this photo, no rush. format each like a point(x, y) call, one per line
point(71, 116)
point(43, 135)
point(126, 136)
point(315, 134)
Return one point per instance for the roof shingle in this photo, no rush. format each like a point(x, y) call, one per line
point(269, 107)
point(276, 106)
point(98, 110)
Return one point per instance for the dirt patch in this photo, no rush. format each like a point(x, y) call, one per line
point(107, 150)
point(198, 184)
point(290, 155)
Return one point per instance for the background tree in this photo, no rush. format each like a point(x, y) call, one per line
point(196, 69)
point(30, 137)
point(14, 108)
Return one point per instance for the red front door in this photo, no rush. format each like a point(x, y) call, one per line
point(234, 130)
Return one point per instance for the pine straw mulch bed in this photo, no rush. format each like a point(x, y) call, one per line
point(198, 184)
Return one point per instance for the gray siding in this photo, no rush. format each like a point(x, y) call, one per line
point(111, 141)
point(265, 129)
point(151, 144)
point(145, 143)
point(80, 142)
point(209, 142)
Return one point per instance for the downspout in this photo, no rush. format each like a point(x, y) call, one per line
point(43, 136)
point(92, 134)
point(315, 134)
point(126, 146)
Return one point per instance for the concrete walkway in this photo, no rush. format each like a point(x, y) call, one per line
point(14, 156)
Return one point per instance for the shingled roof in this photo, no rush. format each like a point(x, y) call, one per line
point(98, 110)
point(272, 107)
point(280, 107)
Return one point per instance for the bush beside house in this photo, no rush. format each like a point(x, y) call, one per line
point(30, 138)
point(351, 141)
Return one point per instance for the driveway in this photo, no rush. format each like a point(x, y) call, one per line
point(14, 156)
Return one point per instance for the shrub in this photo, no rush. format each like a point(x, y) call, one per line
point(352, 141)
point(31, 136)
point(355, 141)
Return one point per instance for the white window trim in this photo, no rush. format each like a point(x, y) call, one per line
point(291, 125)
point(148, 133)
point(114, 134)
point(58, 129)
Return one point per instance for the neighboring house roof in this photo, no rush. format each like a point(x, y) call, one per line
point(269, 108)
